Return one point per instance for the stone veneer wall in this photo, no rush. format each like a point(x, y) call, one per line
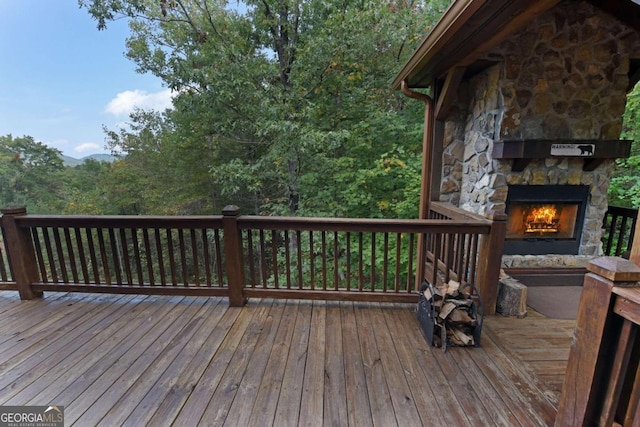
point(563, 77)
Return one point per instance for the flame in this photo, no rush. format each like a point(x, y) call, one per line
point(544, 214)
point(542, 219)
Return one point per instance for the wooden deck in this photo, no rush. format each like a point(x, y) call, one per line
point(152, 360)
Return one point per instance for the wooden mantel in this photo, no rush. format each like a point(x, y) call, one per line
point(594, 152)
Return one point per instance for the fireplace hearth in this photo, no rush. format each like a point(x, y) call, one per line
point(545, 219)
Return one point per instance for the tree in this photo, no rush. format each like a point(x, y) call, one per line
point(284, 109)
point(87, 189)
point(625, 183)
point(28, 174)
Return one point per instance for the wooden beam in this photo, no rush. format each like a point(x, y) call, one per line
point(467, 30)
point(437, 148)
point(453, 19)
point(22, 256)
point(508, 25)
point(634, 257)
point(449, 91)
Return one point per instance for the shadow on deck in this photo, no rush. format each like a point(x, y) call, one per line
point(136, 360)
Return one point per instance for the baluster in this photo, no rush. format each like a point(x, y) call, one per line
point(147, 252)
point(274, 257)
point(206, 259)
point(360, 263)
point(299, 255)
point(396, 284)
point(385, 262)
point(252, 259)
point(52, 263)
point(410, 266)
point(115, 255)
point(72, 257)
point(125, 256)
point(348, 237)
point(312, 260)
point(159, 246)
point(183, 258)
point(263, 261)
point(136, 255)
point(194, 250)
point(81, 255)
point(60, 255)
point(172, 258)
point(39, 256)
point(92, 256)
point(323, 237)
point(287, 254)
point(336, 255)
point(103, 257)
point(373, 262)
point(218, 247)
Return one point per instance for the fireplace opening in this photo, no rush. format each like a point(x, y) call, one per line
point(545, 219)
point(552, 220)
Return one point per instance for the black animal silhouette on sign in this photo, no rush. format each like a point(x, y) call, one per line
point(586, 150)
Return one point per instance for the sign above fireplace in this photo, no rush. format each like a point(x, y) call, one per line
point(594, 151)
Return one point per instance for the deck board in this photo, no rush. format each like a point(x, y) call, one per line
point(335, 401)
point(356, 395)
point(185, 361)
point(266, 403)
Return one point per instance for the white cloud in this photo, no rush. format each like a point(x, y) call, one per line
point(125, 102)
point(87, 146)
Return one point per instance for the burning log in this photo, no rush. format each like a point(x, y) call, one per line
point(449, 314)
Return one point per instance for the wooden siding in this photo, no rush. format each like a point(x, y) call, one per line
point(181, 360)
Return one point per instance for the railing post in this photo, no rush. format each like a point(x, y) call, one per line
point(635, 245)
point(22, 256)
point(234, 259)
point(490, 260)
point(594, 344)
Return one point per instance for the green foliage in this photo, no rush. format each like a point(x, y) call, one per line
point(28, 174)
point(286, 109)
point(86, 190)
point(625, 183)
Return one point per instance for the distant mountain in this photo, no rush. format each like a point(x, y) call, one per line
point(73, 162)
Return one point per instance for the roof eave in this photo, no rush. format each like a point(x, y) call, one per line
point(467, 29)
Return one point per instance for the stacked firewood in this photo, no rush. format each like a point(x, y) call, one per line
point(455, 308)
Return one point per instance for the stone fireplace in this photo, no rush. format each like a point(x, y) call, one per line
point(544, 110)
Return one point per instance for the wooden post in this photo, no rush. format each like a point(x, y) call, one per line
point(234, 260)
point(490, 260)
point(425, 181)
point(635, 246)
point(594, 343)
point(22, 256)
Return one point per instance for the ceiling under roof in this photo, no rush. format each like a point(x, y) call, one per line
point(469, 28)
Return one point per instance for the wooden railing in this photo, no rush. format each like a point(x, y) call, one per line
point(619, 225)
point(602, 382)
point(246, 256)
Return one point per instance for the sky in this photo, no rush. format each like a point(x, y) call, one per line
point(61, 79)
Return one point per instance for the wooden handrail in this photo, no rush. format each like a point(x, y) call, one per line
point(363, 224)
point(120, 221)
point(458, 214)
point(602, 381)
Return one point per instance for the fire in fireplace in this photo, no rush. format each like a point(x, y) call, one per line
point(542, 219)
point(545, 219)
